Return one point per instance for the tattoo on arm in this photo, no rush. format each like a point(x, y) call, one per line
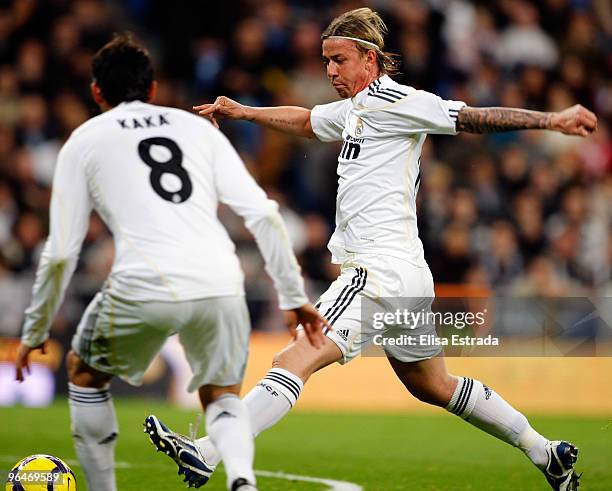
point(282, 122)
point(498, 119)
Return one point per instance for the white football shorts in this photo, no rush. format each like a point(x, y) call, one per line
point(368, 283)
point(122, 337)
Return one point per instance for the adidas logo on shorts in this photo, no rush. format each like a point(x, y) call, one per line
point(343, 333)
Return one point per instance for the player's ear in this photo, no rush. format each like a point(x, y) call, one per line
point(372, 57)
point(152, 90)
point(96, 94)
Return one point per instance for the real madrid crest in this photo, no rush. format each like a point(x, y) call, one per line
point(359, 127)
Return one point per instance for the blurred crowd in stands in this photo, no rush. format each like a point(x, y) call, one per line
point(520, 213)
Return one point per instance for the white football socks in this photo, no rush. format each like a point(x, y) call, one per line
point(272, 398)
point(94, 432)
point(229, 428)
point(267, 403)
point(485, 409)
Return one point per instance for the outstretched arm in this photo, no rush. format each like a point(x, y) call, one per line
point(288, 119)
point(575, 120)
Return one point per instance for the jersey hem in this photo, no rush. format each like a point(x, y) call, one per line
point(379, 252)
point(184, 297)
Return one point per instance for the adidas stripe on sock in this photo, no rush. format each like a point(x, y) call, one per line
point(484, 408)
point(88, 395)
point(464, 398)
point(94, 431)
point(285, 382)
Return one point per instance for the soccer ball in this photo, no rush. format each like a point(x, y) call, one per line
point(41, 473)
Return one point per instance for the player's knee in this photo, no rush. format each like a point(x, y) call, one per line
point(81, 374)
point(72, 364)
point(210, 393)
point(282, 359)
point(294, 359)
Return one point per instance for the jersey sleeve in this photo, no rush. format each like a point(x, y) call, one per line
point(69, 220)
point(327, 120)
point(420, 112)
point(237, 188)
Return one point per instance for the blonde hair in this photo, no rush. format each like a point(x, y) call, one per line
point(366, 25)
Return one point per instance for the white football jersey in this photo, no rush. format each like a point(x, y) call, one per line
point(383, 128)
point(156, 176)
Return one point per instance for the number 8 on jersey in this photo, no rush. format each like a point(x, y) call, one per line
point(171, 166)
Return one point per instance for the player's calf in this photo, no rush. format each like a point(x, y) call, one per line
point(229, 428)
point(302, 359)
point(94, 432)
point(278, 391)
point(484, 408)
point(93, 421)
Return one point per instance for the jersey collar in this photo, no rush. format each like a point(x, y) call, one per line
point(360, 97)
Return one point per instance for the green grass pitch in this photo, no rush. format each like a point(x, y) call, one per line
point(376, 451)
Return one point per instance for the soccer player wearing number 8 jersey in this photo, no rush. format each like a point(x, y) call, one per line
point(156, 176)
point(383, 126)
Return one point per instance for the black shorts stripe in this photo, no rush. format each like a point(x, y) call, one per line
point(335, 303)
point(288, 380)
point(283, 383)
point(342, 297)
point(87, 338)
point(346, 291)
point(337, 300)
point(87, 335)
point(354, 293)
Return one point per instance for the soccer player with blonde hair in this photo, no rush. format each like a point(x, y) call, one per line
point(383, 126)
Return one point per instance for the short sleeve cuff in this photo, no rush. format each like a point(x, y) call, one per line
point(316, 122)
point(321, 122)
point(290, 302)
point(453, 108)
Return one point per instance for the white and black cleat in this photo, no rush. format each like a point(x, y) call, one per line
point(559, 471)
point(182, 450)
point(242, 484)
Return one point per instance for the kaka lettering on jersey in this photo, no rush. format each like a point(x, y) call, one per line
point(144, 122)
point(351, 148)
